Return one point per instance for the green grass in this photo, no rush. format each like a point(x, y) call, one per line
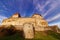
point(49, 35)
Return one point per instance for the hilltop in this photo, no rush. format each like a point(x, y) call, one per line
point(35, 27)
point(10, 33)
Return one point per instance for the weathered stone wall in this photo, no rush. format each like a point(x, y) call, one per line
point(18, 27)
point(18, 21)
point(28, 31)
point(36, 21)
point(40, 22)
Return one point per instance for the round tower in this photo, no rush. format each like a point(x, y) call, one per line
point(16, 15)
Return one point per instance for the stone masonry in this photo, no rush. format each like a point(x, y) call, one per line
point(27, 24)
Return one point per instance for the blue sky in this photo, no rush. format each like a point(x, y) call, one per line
point(49, 9)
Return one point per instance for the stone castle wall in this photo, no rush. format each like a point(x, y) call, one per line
point(28, 25)
point(36, 20)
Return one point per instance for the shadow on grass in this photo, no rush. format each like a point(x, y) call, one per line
point(10, 33)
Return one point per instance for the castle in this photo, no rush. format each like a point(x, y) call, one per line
point(27, 24)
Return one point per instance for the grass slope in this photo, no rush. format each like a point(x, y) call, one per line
point(47, 35)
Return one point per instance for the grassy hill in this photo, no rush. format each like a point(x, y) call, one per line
point(11, 34)
point(46, 35)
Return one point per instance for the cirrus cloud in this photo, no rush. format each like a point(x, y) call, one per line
point(54, 17)
point(58, 24)
point(1, 18)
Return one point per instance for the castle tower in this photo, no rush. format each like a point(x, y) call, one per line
point(37, 16)
point(40, 22)
point(16, 15)
point(28, 31)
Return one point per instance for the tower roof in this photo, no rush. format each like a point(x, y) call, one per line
point(16, 15)
point(34, 15)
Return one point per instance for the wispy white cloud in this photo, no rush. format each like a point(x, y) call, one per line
point(1, 18)
point(52, 3)
point(58, 24)
point(54, 18)
point(41, 7)
point(52, 7)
